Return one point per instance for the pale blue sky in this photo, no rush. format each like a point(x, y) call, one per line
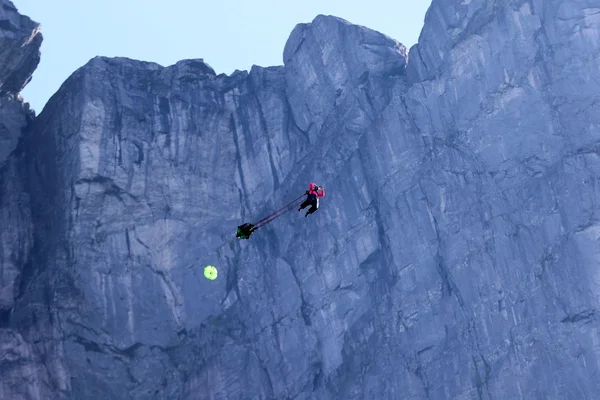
point(229, 35)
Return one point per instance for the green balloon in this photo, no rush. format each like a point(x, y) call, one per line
point(210, 272)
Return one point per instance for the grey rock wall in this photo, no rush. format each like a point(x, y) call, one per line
point(508, 109)
point(20, 41)
point(454, 255)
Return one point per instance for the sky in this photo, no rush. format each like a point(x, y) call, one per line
point(227, 34)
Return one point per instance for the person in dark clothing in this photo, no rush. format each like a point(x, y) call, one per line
point(244, 231)
point(313, 194)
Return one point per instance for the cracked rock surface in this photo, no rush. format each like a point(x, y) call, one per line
point(20, 366)
point(20, 41)
point(454, 256)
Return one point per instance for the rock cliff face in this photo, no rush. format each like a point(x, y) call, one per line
point(454, 256)
point(20, 41)
point(19, 55)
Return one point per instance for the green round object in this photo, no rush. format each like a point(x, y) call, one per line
point(210, 272)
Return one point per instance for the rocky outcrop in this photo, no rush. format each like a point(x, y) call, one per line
point(20, 42)
point(19, 56)
point(454, 255)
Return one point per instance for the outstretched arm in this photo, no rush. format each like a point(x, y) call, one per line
point(321, 192)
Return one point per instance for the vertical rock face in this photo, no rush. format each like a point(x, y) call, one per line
point(454, 256)
point(20, 42)
point(19, 56)
point(507, 105)
point(16, 66)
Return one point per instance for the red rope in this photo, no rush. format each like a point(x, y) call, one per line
point(275, 212)
point(277, 215)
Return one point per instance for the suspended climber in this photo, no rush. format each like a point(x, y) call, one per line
point(313, 194)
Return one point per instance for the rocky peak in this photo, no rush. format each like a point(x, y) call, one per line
point(20, 41)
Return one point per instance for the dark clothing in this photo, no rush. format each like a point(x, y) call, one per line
point(311, 200)
point(244, 231)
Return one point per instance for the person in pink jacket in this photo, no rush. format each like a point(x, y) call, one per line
point(313, 194)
